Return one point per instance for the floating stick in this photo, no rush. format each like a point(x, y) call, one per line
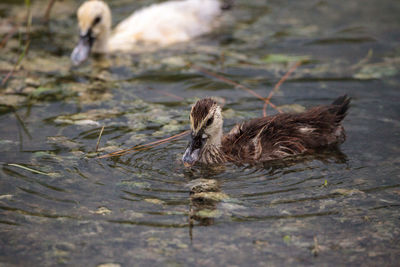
point(145, 146)
point(98, 139)
point(276, 88)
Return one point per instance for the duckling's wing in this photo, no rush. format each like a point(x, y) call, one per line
point(288, 134)
point(166, 23)
point(242, 143)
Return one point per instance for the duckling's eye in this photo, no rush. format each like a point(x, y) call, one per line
point(96, 20)
point(210, 121)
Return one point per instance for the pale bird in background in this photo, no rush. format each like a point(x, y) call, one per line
point(161, 24)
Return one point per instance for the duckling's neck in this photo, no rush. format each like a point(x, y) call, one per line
point(212, 154)
point(215, 140)
point(212, 151)
point(101, 43)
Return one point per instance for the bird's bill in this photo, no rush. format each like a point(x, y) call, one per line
point(190, 157)
point(82, 50)
point(192, 152)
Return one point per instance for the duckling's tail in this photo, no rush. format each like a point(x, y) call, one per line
point(340, 107)
point(227, 4)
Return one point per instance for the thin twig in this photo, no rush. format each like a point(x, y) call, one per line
point(8, 36)
point(28, 169)
point(28, 19)
point(22, 123)
point(316, 249)
point(25, 50)
point(228, 81)
point(21, 57)
point(144, 147)
point(364, 60)
point(46, 16)
point(277, 86)
point(98, 139)
point(168, 94)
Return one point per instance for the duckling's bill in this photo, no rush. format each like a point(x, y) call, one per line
point(82, 49)
point(192, 153)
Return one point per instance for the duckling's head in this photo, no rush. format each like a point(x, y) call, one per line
point(94, 21)
point(206, 125)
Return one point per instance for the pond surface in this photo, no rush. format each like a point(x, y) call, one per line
point(60, 205)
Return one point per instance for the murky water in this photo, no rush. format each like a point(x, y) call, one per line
point(61, 205)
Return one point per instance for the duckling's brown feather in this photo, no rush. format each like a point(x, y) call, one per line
point(200, 110)
point(282, 135)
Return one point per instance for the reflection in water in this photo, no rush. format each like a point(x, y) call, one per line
point(204, 196)
point(325, 156)
point(208, 202)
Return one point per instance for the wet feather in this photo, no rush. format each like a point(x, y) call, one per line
point(269, 138)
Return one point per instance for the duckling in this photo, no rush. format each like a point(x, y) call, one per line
point(162, 24)
point(263, 139)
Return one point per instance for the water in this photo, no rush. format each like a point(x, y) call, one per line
point(69, 208)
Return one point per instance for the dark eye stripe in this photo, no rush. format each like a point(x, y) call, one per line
point(197, 142)
point(96, 20)
point(210, 121)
